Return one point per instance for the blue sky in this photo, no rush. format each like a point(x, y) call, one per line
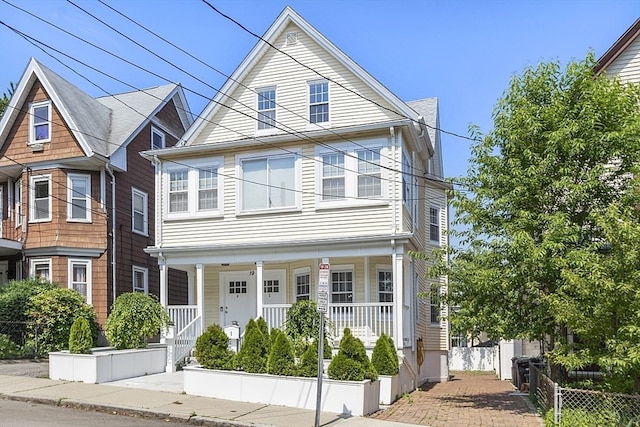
point(463, 52)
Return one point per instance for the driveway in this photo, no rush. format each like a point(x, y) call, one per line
point(470, 399)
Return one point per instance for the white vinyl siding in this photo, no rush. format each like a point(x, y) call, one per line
point(346, 108)
point(79, 197)
point(627, 65)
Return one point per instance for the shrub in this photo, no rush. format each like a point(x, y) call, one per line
point(252, 356)
point(281, 361)
point(135, 318)
point(14, 301)
point(302, 325)
point(53, 311)
point(9, 349)
point(212, 349)
point(384, 358)
point(264, 328)
point(309, 361)
point(80, 339)
point(351, 363)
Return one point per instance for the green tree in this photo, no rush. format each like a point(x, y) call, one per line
point(135, 318)
point(4, 100)
point(535, 217)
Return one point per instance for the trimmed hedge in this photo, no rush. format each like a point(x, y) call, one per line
point(252, 356)
point(384, 358)
point(80, 339)
point(351, 363)
point(281, 360)
point(212, 349)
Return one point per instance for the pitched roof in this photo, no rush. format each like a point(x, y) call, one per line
point(632, 33)
point(102, 125)
point(428, 109)
point(286, 17)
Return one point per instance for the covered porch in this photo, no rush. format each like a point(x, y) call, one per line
point(369, 293)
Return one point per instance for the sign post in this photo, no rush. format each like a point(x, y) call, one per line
point(323, 304)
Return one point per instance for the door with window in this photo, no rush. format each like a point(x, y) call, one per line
point(274, 287)
point(238, 297)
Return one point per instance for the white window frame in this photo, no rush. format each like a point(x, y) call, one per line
point(17, 200)
point(145, 278)
point(32, 198)
point(33, 263)
point(342, 269)
point(387, 270)
point(434, 308)
point(435, 224)
point(193, 188)
point(351, 174)
point(301, 272)
point(296, 153)
point(145, 211)
point(311, 104)
point(161, 134)
point(261, 126)
point(70, 281)
point(33, 123)
point(71, 197)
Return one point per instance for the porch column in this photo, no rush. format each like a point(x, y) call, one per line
point(200, 293)
point(259, 282)
point(367, 283)
point(398, 280)
point(191, 289)
point(163, 294)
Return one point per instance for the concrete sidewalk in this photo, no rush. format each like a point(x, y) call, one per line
point(173, 406)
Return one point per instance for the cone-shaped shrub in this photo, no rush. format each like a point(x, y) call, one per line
point(308, 366)
point(281, 361)
point(212, 349)
point(80, 337)
point(351, 363)
point(264, 328)
point(384, 358)
point(252, 356)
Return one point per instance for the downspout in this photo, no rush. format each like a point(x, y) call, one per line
point(394, 144)
point(113, 231)
point(158, 201)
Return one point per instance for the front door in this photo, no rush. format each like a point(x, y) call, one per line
point(239, 297)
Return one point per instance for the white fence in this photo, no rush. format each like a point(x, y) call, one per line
point(473, 358)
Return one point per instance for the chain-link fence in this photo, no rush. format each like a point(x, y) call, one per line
point(20, 339)
point(572, 407)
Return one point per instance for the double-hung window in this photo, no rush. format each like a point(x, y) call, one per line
point(434, 304)
point(342, 287)
point(303, 284)
point(269, 182)
point(40, 122)
point(349, 173)
point(41, 268)
point(385, 289)
point(17, 198)
point(139, 211)
point(318, 102)
point(266, 108)
point(79, 197)
point(157, 139)
point(434, 224)
point(80, 277)
point(140, 279)
point(194, 189)
point(40, 198)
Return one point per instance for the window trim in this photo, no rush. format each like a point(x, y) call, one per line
point(437, 310)
point(32, 198)
point(145, 272)
point(436, 224)
point(384, 269)
point(351, 174)
point(268, 129)
point(32, 123)
point(299, 272)
point(36, 261)
point(318, 125)
point(155, 130)
point(193, 187)
point(87, 264)
point(145, 212)
point(17, 202)
point(296, 153)
point(346, 268)
point(70, 197)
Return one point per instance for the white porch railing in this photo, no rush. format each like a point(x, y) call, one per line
point(367, 321)
point(187, 328)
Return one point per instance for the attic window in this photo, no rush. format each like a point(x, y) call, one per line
point(292, 38)
point(157, 139)
point(40, 120)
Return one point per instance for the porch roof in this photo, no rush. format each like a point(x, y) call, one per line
point(283, 251)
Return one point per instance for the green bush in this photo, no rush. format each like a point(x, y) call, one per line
point(80, 339)
point(252, 356)
point(264, 328)
point(134, 319)
point(53, 312)
point(302, 325)
point(212, 349)
point(14, 301)
point(9, 349)
point(308, 366)
point(584, 418)
point(384, 358)
point(281, 360)
point(351, 363)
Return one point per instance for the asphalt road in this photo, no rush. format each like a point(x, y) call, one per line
point(25, 414)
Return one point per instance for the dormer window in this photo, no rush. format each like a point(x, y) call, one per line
point(40, 120)
point(157, 139)
point(266, 108)
point(318, 102)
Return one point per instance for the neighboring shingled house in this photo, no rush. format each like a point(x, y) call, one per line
point(77, 198)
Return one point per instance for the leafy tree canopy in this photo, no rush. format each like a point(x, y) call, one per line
point(550, 222)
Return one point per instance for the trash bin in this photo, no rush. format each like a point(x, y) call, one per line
point(520, 371)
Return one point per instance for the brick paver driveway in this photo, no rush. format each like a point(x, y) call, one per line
point(469, 399)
